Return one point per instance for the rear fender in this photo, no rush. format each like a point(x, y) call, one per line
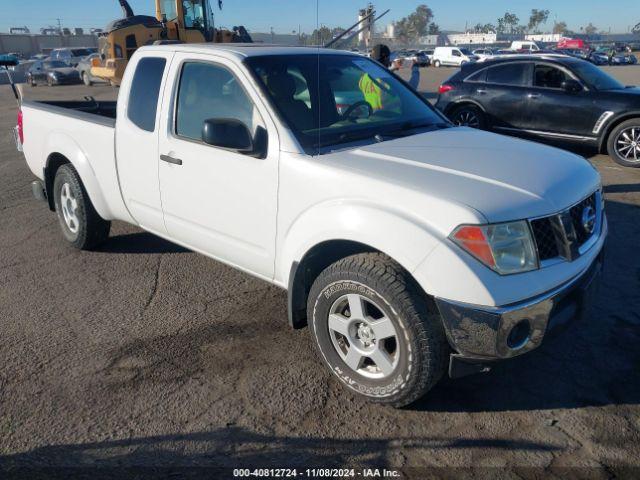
point(62, 144)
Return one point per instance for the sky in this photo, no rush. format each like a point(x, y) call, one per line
point(287, 15)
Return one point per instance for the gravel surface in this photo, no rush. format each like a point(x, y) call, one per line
point(146, 355)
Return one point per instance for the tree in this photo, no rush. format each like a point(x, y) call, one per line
point(434, 29)
point(486, 28)
point(416, 25)
point(537, 18)
point(591, 29)
point(508, 23)
point(321, 35)
point(560, 27)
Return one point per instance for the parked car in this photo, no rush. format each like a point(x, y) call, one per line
point(71, 56)
point(597, 58)
point(452, 57)
point(409, 247)
point(484, 53)
point(428, 55)
point(617, 55)
point(52, 73)
point(552, 97)
point(19, 72)
point(522, 45)
point(84, 70)
point(417, 57)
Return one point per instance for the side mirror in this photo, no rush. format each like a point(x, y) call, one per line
point(571, 86)
point(232, 134)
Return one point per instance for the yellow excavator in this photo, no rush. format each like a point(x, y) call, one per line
point(183, 21)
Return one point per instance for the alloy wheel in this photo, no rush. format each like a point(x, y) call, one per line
point(69, 206)
point(467, 118)
point(363, 336)
point(628, 144)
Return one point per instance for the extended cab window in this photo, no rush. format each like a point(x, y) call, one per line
point(144, 93)
point(210, 91)
point(547, 76)
point(509, 74)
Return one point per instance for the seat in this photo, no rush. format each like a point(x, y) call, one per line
point(283, 88)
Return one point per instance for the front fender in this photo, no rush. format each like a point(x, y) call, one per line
point(406, 239)
point(60, 143)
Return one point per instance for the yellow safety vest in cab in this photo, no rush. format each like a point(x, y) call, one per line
point(375, 96)
point(371, 91)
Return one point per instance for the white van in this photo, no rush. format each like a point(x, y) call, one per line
point(527, 45)
point(452, 56)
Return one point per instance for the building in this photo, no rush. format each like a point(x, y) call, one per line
point(470, 38)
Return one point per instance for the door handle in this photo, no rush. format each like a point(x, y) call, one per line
point(171, 160)
point(481, 91)
point(534, 95)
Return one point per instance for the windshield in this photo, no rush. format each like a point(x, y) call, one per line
point(466, 51)
point(81, 52)
point(335, 99)
point(193, 14)
point(55, 64)
point(596, 77)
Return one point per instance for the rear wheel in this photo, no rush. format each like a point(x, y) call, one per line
point(437, 64)
point(623, 144)
point(375, 331)
point(468, 116)
point(81, 225)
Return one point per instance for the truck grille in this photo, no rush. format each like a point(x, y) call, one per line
point(562, 235)
point(545, 239)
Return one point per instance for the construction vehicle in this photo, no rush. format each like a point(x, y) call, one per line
point(185, 21)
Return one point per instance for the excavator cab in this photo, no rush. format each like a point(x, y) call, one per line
point(186, 21)
point(190, 21)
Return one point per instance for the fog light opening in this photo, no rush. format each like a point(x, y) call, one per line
point(519, 335)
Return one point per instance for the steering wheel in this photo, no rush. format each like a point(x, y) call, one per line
point(356, 105)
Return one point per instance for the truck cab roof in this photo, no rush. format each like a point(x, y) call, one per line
point(244, 50)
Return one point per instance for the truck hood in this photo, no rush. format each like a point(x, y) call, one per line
point(502, 178)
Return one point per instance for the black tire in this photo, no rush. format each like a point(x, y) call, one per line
point(50, 82)
point(625, 135)
point(90, 229)
point(437, 64)
point(86, 80)
point(419, 349)
point(468, 116)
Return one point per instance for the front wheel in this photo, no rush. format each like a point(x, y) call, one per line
point(468, 116)
point(81, 225)
point(375, 331)
point(86, 80)
point(49, 81)
point(624, 143)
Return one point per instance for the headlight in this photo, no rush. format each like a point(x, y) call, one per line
point(506, 248)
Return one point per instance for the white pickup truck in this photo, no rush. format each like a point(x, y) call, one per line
point(409, 246)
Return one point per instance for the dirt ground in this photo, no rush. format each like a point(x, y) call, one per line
point(144, 357)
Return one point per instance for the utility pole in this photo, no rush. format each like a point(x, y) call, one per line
point(59, 26)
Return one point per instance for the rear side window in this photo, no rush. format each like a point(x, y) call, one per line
point(509, 74)
point(480, 76)
point(145, 90)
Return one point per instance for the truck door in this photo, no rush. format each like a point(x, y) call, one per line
point(137, 140)
point(218, 201)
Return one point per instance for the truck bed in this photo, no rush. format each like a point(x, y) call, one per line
point(102, 112)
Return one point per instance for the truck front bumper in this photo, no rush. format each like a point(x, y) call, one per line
point(482, 335)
